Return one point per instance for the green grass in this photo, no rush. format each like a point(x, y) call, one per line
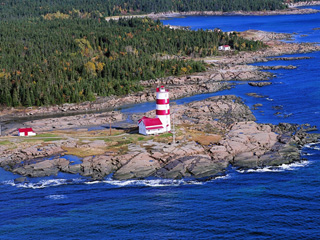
point(41, 140)
point(121, 143)
point(165, 135)
point(51, 139)
point(46, 135)
point(6, 142)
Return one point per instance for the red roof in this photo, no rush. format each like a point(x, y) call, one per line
point(151, 123)
point(226, 45)
point(25, 130)
point(156, 127)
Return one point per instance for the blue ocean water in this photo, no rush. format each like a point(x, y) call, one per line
point(269, 203)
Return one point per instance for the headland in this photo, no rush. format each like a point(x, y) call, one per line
point(210, 134)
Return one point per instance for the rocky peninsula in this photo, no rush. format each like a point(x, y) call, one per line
point(209, 136)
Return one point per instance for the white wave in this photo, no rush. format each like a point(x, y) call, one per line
point(93, 182)
point(56, 197)
point(280, 168)
point(295, 165)
point(312, 145)
point(9, 182)
point(307, 154)
point(152, 183)
point(260, 170)
point(222, 177)
point(42, 183)
point(269, 99)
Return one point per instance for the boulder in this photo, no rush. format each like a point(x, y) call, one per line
point(140, 166)
point(259, 84)
point(21, 180)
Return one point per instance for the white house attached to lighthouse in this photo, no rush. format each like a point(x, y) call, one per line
point(161, 123)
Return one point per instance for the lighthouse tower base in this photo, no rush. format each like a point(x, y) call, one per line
point(161, 123)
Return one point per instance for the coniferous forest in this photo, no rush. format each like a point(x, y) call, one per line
point(34, 8)
point(53, 52)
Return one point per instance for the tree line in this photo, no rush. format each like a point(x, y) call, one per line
point(101, 8)
point(45, 62)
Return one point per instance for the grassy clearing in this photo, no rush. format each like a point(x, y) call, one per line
point(83, 152)
point(140, 138)
point(47, 135)
point(6, 142)
point(41, 140)
point(165, 135)
point(51, 139)
point(119, 149)
point(33, 140)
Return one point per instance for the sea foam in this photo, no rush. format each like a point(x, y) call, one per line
point(280, 168)
point(56, 197)
point(153, 182)
point(315, 146)
point(42, 183)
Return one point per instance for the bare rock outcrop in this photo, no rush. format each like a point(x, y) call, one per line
point(140, 166)
point(238, 140)
point(259, 84)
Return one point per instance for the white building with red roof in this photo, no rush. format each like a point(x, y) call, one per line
point(26, 132)
point(224, 48)
point(148, 126)
point(161, 123)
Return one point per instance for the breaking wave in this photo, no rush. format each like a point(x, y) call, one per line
point(42, 183)
point(153, 182)
point(228, 176)
point(281, 168)
point(315, 146)
point(119, 183)
point(56, 197)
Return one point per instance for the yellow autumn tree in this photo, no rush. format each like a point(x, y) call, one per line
point(184, 70)
point(90, 68)
point(99, 66)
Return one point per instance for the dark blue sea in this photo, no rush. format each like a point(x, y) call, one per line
point(269, 203)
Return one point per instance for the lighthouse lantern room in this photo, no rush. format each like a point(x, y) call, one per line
point(161, 123)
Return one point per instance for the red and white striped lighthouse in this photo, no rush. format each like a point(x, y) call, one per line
point(163, 108)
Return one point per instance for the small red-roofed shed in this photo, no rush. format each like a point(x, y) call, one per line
point(26, 132)
point(224, 48)
point(148, 126)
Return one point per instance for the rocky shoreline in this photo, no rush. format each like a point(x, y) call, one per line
point(221, 69)
point(293, 9)
point(210, 134)
point(302, 4)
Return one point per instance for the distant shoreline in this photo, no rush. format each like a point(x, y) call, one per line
point(301, 4)
point(292, 10)
point(217, 73)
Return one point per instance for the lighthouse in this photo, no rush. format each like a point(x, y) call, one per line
point(163, 108)
point(161, 123)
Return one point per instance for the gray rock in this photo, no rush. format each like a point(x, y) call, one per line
point(259, 84)
point(21, 180)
